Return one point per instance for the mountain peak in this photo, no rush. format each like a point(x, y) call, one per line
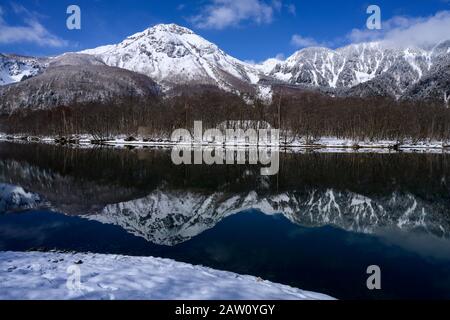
point(174, 55)
point(172, 28)
point(162, 29)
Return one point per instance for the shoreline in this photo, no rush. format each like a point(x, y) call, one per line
point(326, 143)
point(52, 275)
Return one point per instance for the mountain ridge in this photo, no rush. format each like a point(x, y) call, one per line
point(173, 55)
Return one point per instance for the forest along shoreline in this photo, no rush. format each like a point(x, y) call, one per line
point(304, 119)
point(291, 143)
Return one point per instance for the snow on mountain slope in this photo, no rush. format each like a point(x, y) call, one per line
point(15, 68)
point(174, 55)
point(355, 64)
point(171, 54)
point(434, 85)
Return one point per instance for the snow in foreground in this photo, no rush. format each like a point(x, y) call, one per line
point(45, 276)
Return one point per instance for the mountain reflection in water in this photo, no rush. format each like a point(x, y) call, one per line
point(144, 193)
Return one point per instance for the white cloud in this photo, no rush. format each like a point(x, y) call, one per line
point(302, 42)
point(292, 9)
point(220, 14)
point(30, 31)
point(407, 31)
point(280, 56)
point(398, 31)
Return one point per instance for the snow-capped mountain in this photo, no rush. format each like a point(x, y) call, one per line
point(174, 55)
point(14, 68)
point(363, 69)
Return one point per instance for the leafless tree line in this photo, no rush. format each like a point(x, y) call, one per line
point(305, 115)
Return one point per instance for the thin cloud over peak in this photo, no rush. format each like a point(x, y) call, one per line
point(221, 14)
point(299, 41)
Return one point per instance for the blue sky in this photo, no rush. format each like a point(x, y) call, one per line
point(247, 29)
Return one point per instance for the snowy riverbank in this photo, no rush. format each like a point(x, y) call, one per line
point(37, 275)
point(331, 143)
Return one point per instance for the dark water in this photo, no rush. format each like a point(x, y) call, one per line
point(318, 225)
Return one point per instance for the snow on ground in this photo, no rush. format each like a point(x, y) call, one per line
point(53, 276)
point(327, 144)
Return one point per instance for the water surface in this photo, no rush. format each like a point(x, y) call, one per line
point(318, 225)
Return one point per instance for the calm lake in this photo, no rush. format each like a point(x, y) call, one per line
point(317, 225)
